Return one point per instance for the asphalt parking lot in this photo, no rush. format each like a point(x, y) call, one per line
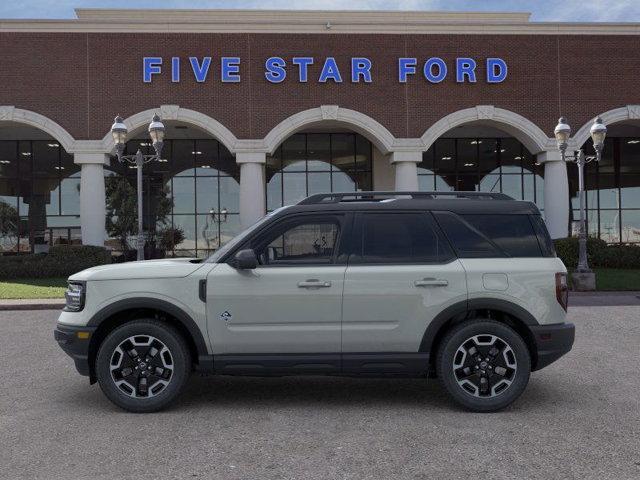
point(579, 418)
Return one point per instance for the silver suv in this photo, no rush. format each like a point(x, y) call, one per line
point(462, 286)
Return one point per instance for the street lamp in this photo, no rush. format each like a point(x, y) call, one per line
point(598, 133)
point(156, 132)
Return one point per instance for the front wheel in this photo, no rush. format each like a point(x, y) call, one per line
point(143, 365)
point(484, 365)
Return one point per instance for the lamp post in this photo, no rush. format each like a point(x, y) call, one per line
point(156, 132)
point(562, 133)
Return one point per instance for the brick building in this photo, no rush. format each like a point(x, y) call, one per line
point(263, 108)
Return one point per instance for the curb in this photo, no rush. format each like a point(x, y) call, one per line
point(17, 305)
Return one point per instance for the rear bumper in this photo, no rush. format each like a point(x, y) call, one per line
point(552, 342)
point(74, 345)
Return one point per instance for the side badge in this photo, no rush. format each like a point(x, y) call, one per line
point(226, 316)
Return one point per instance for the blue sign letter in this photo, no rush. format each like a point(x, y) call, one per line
point(465, 66)
point(303, 64)
point(230, 69)
point(496, 70)
point(331, 71)
point(428, 70)
point(360, 67)
point(150, 66)
point(200, 71)
point(406, 66)
point(175, 69)
point(275, 69)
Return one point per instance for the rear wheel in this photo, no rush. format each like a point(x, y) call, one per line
point(484, 365)
point(143, 365)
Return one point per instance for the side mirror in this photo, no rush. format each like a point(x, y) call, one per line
point(245, 260)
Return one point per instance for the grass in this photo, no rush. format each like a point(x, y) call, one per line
point(617, 279)
point(30, 288)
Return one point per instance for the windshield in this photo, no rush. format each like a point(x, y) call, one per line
point(241, 237)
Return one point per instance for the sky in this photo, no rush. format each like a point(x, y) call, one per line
point(542, 10)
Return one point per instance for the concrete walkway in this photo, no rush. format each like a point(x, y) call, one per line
point(576, 299)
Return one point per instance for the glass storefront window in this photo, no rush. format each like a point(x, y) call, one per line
point(308, 163)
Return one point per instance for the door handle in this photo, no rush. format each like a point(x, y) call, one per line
point(431, 282)
point(313, 283)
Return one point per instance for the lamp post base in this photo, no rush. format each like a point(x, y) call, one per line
point(583, 281)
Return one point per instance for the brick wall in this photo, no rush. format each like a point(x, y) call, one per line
point(81, 80)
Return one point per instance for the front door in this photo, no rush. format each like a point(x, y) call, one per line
point(289, 304)
point(401, 275)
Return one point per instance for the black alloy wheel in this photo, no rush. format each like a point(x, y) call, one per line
point(483, 364)
point(143, 365)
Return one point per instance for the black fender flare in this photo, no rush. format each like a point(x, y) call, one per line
point(463, 307)
point(152, 303)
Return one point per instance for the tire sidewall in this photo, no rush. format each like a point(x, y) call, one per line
point(461, 333)
point(181, 359)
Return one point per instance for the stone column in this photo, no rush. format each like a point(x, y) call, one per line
point(406, 166)
point(556, 194)
point(92, 197)
point(252, 187)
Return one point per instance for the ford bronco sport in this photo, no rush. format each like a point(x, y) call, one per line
point(459, 285)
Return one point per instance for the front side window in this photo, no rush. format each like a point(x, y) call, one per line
point(312, 242)
point(400, 238)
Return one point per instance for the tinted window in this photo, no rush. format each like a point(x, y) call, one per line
point(467, 241)
point(546, 244)
point(400, 238)
point(514, 234)
point(306, 243)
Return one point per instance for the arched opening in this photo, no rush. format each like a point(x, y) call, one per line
point(190, 197)
point(39, 190)
point(318, 160)
point(485, 158)
point(612, 186)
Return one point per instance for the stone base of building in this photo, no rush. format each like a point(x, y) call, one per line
point(583, 281)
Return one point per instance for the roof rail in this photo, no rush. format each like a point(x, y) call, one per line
point(376, 196)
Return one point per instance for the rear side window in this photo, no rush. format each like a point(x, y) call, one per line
point(399, 238)
point(514, 234)
point(466, 239)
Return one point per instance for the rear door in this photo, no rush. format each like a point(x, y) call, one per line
point(401, 274)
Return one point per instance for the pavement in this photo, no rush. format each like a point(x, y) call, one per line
point(578, 418)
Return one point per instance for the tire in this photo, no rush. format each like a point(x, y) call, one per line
point(461, 368)
point(143, 345)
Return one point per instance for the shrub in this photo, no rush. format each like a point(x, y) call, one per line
point(599, 254)
point(61, 261)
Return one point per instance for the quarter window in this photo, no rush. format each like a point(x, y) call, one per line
point(400, 238)
point(514, 234)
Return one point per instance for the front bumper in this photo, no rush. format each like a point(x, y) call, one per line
point(75, 343)
point(552, 342)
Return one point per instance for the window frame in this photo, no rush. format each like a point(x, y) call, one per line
point(357, 240)
point(270, 232)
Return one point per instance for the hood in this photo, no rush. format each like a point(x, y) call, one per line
point(165, 268)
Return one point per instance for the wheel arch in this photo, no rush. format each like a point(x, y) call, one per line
point(503, 311)
point(123, 311)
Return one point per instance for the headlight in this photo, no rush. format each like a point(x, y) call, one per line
point(74, 297)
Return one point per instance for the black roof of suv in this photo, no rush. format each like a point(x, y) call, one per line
point(457, 202)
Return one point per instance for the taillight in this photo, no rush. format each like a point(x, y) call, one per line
point(562, 290)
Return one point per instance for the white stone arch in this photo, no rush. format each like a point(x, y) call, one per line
point(617, 115)
point(374, 131)
point(528, 133)
point(176, 113)
point(9, 113)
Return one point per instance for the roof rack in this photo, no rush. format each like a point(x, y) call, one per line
point(376, 196)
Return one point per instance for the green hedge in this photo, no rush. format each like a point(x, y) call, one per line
point(61, 261)
point(599, 254)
